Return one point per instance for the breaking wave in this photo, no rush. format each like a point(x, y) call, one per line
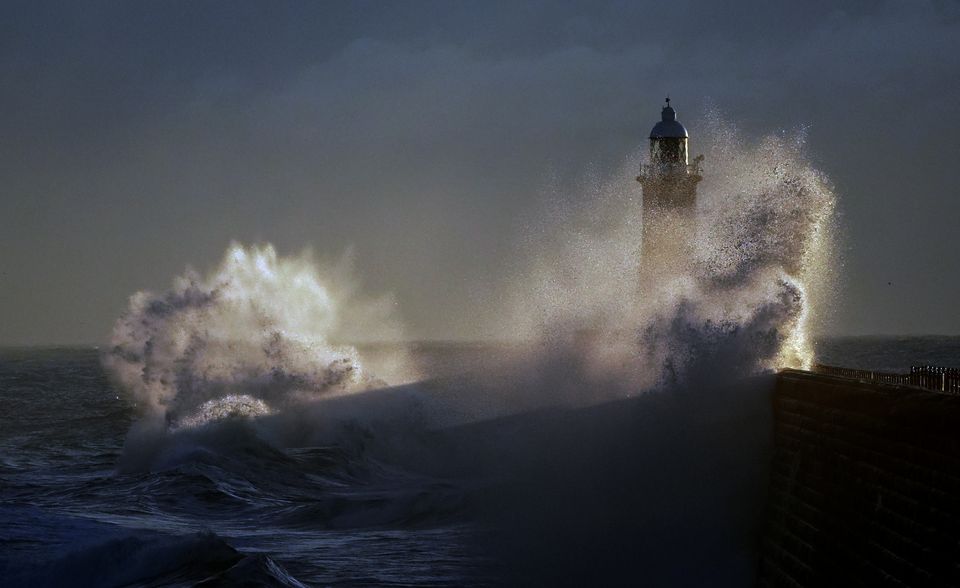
point(256, 334)
point(738, 303)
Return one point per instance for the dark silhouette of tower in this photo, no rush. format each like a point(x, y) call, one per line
point(669, 184)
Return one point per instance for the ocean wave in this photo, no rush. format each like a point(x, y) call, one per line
point(79, 552)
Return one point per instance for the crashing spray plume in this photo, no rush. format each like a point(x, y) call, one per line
point(738, 303)
point(762, 233)
point(258, 332)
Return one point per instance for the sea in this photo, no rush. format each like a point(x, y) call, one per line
point(654, 489)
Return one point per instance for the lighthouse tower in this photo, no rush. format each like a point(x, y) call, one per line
point(669, 184)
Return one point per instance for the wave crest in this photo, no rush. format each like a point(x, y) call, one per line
point(259, 327)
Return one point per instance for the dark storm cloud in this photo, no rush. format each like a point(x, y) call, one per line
point(135, 139)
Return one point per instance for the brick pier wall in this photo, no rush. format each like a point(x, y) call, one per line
point(865, 485)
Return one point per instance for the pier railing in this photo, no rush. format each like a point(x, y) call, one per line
point(928, 377)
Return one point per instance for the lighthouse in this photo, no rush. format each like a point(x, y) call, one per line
point(669, 182)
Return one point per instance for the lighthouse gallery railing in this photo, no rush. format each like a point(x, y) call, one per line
point(649, 170)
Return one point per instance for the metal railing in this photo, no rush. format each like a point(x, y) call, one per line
point(927, 377)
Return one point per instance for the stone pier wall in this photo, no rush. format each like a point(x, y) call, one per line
point(865, 485)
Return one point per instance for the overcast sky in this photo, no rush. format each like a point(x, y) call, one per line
point(137, 138)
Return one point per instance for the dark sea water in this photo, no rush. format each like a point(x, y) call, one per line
point(232, 508)
point(889, 354)
point(662, 489)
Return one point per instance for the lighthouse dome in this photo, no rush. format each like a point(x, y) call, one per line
point(668, 127)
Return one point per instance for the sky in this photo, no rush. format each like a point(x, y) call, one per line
point(137, 138)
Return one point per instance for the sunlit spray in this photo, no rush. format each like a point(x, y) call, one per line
point(738, 302)
point(258, 332)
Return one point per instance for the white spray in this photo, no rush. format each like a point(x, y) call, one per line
point(258, 332)
point(740, 306)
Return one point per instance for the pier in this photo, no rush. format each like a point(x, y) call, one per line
point(865, 481)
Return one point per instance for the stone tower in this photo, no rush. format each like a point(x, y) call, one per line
point(669, 184)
